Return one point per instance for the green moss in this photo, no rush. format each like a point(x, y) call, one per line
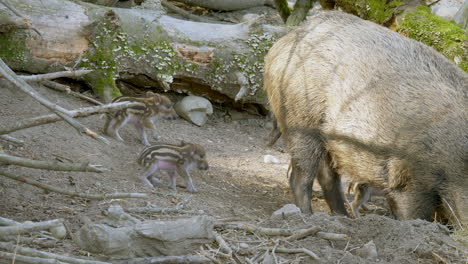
point(444, 36)
point(378, 11)
point(250, 63)
point(13, 48)
point(101, 58)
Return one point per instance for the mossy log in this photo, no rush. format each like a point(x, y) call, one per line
point(146, 48)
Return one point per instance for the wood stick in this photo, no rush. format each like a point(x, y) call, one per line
point(42, 254)
point(293, 251)
point(36, 241)
point(332, 236)
point(58, 110)
point(22, 228)
point(65, 88)
point(224, 246)
point(29, 260)
point(167, 259)
point(49, 165)
point(46, 119)
point(12, 139)
point(54, 75)
point(7, 222)
point(307, 232)
point(158, 210)
point(72, 194)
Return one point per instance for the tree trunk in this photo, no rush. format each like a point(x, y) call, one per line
point(142, 47)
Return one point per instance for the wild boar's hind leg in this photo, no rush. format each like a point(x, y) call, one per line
point(330, 182)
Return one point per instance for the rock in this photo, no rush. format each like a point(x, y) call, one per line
point(446, 9)
point(287, 210)
point(461, 17)
point(59, 232)
point(194, 109)
point(368, 251)
point(271, 159)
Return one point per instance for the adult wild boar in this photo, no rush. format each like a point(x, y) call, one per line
point(354, 98)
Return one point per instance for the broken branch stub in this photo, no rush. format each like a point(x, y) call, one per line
point(146, 239)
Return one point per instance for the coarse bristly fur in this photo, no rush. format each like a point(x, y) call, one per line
point(354, 98)
point(142, 116)
point(171, 159)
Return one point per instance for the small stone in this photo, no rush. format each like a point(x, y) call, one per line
point(368, 251)
point(287, 210)
point(58, 232)
point(194, 109)
point(243, 245)
point(271, 159)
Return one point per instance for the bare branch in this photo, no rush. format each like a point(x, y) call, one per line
point(158, 210)
point(72, 194)
point(81, 112)
point(58, 110)
point(307, 232)
point(22, 228)
point(7, 222)
point(332, 236)
point(54, 75)
point(294, 251)
point(11, 139)
point(41, 254)
point(224, 246)
point(167, 259)
point(66, 89)
point(49, 165)
point(29, 260)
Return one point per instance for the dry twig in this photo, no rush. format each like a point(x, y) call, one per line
point(307, 232)
point(154, 210)
point(54, 75)
point(49, 165)
point(11, 139)
point(58, 110)
point(224, 246)
point(66, 89)
point(167, 259)
point(80, 112)
point(69, 193)
point(22, 228)
point(42, 254)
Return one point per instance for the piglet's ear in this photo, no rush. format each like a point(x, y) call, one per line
point(157, 98)
point(149, 94)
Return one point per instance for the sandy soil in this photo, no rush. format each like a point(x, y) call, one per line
point(239, 184)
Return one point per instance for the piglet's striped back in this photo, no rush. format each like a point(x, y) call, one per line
point(161, 152)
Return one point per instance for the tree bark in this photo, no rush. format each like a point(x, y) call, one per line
point(223, 62)
point(301, 8)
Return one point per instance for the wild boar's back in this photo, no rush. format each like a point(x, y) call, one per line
point(388, 110)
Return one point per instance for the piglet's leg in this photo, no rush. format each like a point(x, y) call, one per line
point(118, 125)
point(184, 173)
point(172, 177)
point(151, 170)
point(148, 123)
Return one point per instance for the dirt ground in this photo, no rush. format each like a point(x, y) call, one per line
point(238, 185)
